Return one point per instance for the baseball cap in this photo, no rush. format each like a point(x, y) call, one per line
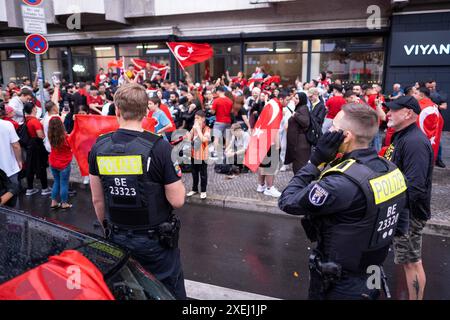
point(408, 102)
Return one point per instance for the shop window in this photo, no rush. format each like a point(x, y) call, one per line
point(287, 66)
point(14, 65)
point(134, 50)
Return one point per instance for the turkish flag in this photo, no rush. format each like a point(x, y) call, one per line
point(68, 276)
point(115, 64)
point(430, 121)
point(88, 128)
point(264, 133)
point(188, 53)
point(140, 64)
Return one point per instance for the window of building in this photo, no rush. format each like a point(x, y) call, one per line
point(14, 65)
point(56, 64)
point(134, 50)
point(83, 64)
point(287, 59)
point(358, 59)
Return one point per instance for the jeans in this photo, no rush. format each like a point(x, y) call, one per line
point(61, 185)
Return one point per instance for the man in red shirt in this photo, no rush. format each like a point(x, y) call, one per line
point(95, 102)
point(37, 156)
point(222, 109)
point(334, 106)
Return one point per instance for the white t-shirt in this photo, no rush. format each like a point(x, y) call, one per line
point(45, 124)
point(8, 136)
point(17, 105)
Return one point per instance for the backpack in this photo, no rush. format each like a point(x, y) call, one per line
point(24, 136)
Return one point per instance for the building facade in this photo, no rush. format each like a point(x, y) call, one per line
point(358, 40)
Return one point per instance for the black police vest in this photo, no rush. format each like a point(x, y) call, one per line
point(132, 200)
point(355, 246)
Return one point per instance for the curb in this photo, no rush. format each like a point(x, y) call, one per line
point(433, 227)
point(244, 204)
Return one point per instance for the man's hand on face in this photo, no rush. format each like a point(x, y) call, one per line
point(327, 148)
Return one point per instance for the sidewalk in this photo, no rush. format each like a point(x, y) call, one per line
point(240, 192)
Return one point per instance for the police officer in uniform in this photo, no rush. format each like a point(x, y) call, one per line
point(352, 208)
point(135, 187)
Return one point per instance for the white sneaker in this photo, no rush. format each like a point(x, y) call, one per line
point(30, 192)
point(261, 188)
point(86, 180)
point(46, 192)
point(203, 195)
point(272, 192)
point(192, 193)
point(283, 169)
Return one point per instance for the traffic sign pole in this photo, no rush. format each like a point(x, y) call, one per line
point(40, 82)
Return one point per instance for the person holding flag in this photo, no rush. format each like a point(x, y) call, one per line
point(263, 153)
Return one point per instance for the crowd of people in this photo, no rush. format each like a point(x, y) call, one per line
point(216, 118)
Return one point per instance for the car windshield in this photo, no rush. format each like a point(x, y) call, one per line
point(27, 242)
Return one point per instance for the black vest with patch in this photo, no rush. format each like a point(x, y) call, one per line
point(355, 246)
point(132, 200)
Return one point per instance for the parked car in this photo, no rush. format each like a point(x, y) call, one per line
point(27, 242)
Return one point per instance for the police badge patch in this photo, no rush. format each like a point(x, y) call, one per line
point(318, 195)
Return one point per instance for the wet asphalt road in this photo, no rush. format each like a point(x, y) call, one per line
point(252, 252)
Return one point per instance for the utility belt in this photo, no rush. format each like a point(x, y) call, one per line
point(331, 273)
point(167, 232)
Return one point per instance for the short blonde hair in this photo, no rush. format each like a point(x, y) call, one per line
point(362, 120)
point(132, 101)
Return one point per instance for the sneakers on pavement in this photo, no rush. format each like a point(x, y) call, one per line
point(261, 189)
point(203, 195)
point(31, 192)
point(192, 193)
point(272, 192)
point(46, 192)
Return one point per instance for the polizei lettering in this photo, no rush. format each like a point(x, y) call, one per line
point(427, 49)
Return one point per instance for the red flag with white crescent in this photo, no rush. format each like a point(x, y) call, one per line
point(430, 121)
point(87, 129)
point(263, 134)
point(140, 64)
point(188, 53)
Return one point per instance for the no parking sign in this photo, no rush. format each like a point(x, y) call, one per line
point(33, 3)
point(36, 44)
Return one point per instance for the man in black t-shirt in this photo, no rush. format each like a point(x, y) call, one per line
point(135, 188)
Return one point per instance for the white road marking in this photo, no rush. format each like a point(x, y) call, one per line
point(204, 291)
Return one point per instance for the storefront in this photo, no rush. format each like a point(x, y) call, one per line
point(419, 50)
point(352, 59)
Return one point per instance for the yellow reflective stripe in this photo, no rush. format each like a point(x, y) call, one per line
point(389, 186)
point(341, 167)
point(120, 165)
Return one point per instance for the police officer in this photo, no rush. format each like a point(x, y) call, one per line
point(352, 208)
point(135, 187)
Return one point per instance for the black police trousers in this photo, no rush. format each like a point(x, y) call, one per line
point(163, 263)
point(347, 288)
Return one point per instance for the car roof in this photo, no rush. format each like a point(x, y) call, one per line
point(27, 242)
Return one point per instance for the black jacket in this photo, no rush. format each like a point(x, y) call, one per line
point(411, 151)
point(344, 201)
